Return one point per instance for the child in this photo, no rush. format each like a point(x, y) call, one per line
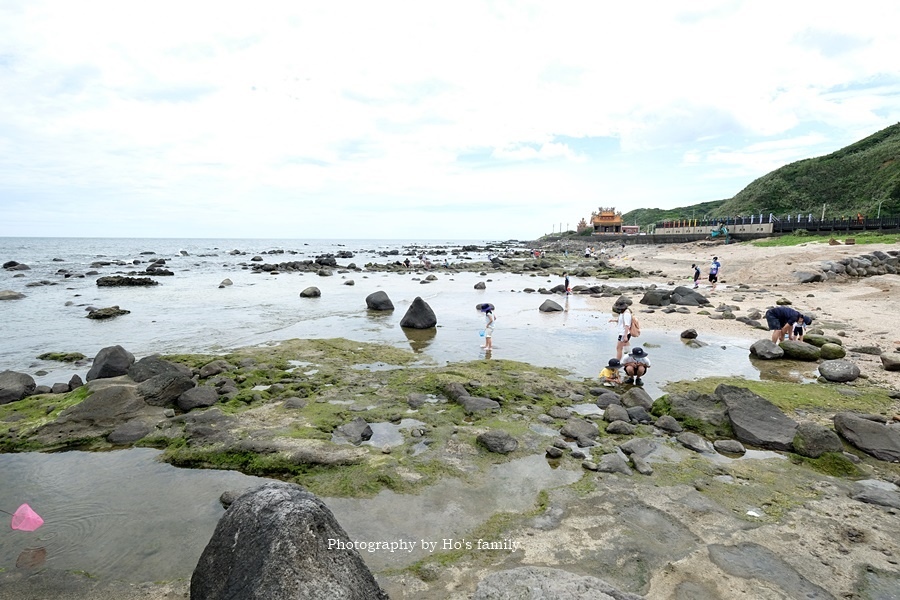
point(636, 365)
point(489, 319)
point(696, 275)
point(567, 286)
point(799, 329)
point(610, 375)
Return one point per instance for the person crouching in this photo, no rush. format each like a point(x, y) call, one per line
point(610, 375)
point(636, 364)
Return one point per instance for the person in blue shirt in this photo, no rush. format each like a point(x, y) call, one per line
point(714, 272)
point(781, 320)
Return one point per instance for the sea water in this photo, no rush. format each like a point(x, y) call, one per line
point(188, 312)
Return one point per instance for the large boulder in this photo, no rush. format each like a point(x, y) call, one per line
point(150, 366)
point(111, 361)
point(814, 440)
point(379, 301)
point(311, 292)
point(11, 295)
point(419, 315)
point(695, 407)
point(766, 350)
point(755, 420)
point(498, 441)
point(200, 396)
point(636, 397)
point(280, 542)
point(890, 361)
point(839, 370)
point(795, 350)
point(550, 306)
point(684, 296)
point(164, 389)
point(657, 297)
point(15, 386)
point(829, 351)
point(871, 437)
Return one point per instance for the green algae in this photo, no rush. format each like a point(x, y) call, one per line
point(815, 397)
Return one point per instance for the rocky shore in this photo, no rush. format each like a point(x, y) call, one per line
point(718, 488)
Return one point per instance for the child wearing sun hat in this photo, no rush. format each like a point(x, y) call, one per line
point(636, 364)
point(610, 374)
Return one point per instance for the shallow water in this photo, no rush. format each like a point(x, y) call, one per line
point(188, 313)
point(125, 515)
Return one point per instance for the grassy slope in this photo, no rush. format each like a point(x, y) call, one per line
point(849, 181)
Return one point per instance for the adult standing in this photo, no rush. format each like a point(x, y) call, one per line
point(568, 287)
point(781, 319)
point(714, 272)
point(623, 328)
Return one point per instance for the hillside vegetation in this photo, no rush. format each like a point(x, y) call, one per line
point(850, 181)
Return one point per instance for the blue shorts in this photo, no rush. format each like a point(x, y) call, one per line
point(773, 322)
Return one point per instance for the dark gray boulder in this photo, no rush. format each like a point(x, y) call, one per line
point(814, 440)
point(75, 382)
point(657, 297)
point(616, 412)
point(280, 542)
point(875, 491)
point(694, 442)
point(550, 306)
point(684, 296)
point(15, 386)
point(577, 428)
point(729, 447)
point(200, 396)
point(613, 462)
point(165, 388)
point(606, 398)
point(766, 350)
point(214, 368)
point(498, 441)
point(111, 361)
point(109, 312)
point(120, 281)
point(474, 404)
point(379, 301)
point(839, 370)
point(128, 433)
point(639, 414)
point(637, 397)
point(151, 366)
point(871, 437)
point(755, 420)
point(11, 295)
point(419, 315)
point(311, 292)
point(356, 431)
point(59, 388)
point(669, 423)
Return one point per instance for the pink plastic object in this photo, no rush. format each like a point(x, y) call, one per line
point(25, 519)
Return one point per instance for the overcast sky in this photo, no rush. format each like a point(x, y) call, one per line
point(420, 119)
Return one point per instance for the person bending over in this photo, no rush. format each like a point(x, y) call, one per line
point(781, 320)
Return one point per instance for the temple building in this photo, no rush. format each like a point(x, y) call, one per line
point(606, 220)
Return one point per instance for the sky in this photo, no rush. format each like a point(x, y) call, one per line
point(469, 119)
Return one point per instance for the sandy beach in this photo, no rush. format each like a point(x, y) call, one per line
point(863, 311)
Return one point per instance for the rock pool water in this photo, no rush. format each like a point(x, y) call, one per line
point(125, 515)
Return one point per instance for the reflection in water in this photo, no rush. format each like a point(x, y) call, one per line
point(419, 339)
point(784, 370)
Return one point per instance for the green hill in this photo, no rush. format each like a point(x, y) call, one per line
point(850, 181)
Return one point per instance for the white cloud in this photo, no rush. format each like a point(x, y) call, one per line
point(320, 112)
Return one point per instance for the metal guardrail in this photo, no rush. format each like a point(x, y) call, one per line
point(792, 223)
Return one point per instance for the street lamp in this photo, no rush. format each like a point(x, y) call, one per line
point(879, 208)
